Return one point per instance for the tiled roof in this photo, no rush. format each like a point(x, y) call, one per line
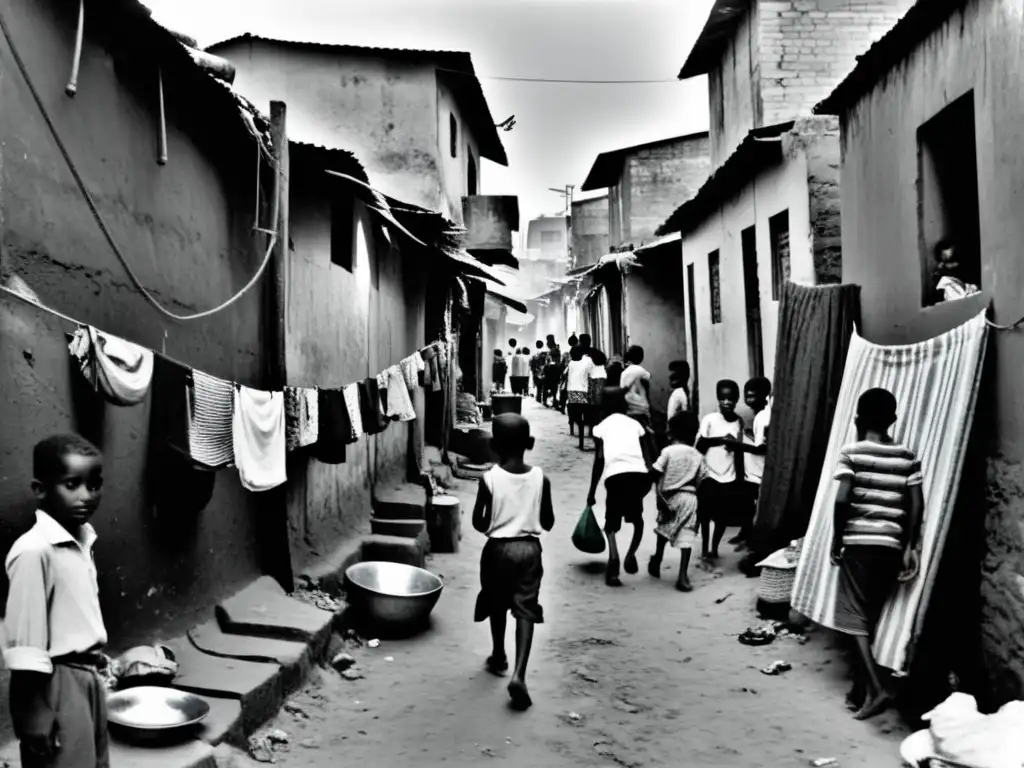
point(455, 69)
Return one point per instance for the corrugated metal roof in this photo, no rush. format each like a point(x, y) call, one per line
point(893, 47)
point(753, 154)
point(607, 167)
point(455, 69)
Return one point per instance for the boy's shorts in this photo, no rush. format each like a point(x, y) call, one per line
point(510, 574)
point(624, 499)
point(867, 577)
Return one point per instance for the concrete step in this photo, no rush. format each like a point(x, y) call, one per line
point(263, 609)
point(409, 529)
point(406, 501)
point(190, 754)
point(393, 549)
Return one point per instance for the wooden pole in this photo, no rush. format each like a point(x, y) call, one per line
point(162, 157)
point(72, 87)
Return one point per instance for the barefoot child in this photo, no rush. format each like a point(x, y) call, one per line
point(875, 542)
point(54, 626)
point(513, 508)
point(619, 457)
point(678, 471)
point(721, 492)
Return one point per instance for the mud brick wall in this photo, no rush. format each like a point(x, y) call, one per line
point(661, 178)
point(818, 138)
point(806, 47)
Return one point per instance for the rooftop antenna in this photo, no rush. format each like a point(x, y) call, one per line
point(566, 192)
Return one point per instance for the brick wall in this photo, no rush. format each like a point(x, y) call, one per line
point(662, 178)
point(589, 231)
point(808, 46)
point(818, 139)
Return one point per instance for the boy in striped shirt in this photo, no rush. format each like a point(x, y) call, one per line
point(875, 540)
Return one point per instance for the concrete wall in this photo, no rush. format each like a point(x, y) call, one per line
point(655, 317)
point(808, 46)
point(722, 348)
point(385, 111)
point(734, 89)
point(662, 178)
point(454, 170)
point(590, 220)
point(185, 229)
point(978, 50)
point(342, 327)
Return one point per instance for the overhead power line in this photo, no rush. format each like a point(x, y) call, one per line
point(562, 80)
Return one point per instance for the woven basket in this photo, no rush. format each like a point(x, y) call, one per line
point(776, 584)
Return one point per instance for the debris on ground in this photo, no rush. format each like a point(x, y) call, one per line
point(352, 674)
point(776, 668)
point(822, 762)
point(375, 643)
point(389, 658)
point(309, 591)
point(572, 718)
point(343, 661)
point(723, 598)
point(294, 709)
point(350, 636)
point(624, 706)
point(261, 750)
point(755, 637)
point(277, 736)
point(584, 676)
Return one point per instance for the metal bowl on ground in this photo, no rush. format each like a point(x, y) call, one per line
point(152, 710)
point(393, 595)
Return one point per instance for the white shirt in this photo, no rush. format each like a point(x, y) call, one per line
point(620, 437)
point(598, 372)
point(515, 502)
point(578, 377)
point(520, 365)
point(678, 402)
point(53, 606)
point(753, 464)
point(720, 462)
point(636, 396)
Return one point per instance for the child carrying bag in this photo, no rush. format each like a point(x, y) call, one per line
point(587, 537)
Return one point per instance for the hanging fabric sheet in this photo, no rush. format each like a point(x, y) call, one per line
point(301, 411)
point(211, 419)
point(373, 418)
point(119, 370)
point(399, 406)
point(355, 416)
point(411, 367)
point(335, 429)
point(259, 438)
point(935, 383)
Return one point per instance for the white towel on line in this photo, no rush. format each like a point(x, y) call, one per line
point(259, 438)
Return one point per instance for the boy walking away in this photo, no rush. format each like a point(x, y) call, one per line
point(636, 383)
point(755, 447)
point(552, 372)
point(521, 372)
point(499, 369)
point(537, 363)
point(563, 392)
point(578, 383)
point(54, 626)
point(620, 459)
point(513, 507)
point(720, 441)
point(875, 543)
point(678, 472)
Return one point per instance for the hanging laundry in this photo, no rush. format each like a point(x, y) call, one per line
point(373, 418)
point(399, 406)
point(382, 391)
point(301, 406)
point(354, 413)
point(169, 413)
point(212, 412)
point(432, 374)
point(411, 367)
point(259, 438)
point(119, 370)
point(335, 430)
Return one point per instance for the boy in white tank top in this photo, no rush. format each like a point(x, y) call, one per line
point(513, 508)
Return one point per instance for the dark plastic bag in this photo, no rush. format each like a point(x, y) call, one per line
point(588, 537)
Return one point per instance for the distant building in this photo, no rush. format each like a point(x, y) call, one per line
point(589, 231)
point(769, 212)
point(931, 122)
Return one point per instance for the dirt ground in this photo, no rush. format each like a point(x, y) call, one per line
point(637, 676)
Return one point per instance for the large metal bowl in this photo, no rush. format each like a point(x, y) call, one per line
point(392, 595)
point(151, 709)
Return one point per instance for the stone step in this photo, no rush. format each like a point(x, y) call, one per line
point(263, 609)
point(406, 501)
point(393, 549)
point(409, 529)
point(190, 754)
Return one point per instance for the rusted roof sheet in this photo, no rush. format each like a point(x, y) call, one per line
point(607, 167)
point(707, 51)
point(893, 47)
point(455, 69)
point(753, 154)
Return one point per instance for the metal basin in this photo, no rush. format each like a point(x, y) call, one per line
point(150, 709)
point(393, 595)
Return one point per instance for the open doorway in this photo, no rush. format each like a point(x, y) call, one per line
point(691, 302)
point(752, 295)
point(471, 175)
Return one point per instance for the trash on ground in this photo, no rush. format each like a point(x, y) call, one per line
point(822, 762)
point(352, 674)
point(776, 668)
point(343, 661)
point(757, 637)
point(723, 598)
point(277, 736)
point(375, 643)
point(260, 749)
point(389, 658)
point(572, 718)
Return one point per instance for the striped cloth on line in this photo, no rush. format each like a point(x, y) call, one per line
point(211, 414)
point(935, 383)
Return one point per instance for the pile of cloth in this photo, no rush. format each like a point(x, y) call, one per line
point(959, 735)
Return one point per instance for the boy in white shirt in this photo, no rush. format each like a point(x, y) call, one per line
point(621, 457)
point(636, 384)
point(513, 508)
point(721, 441)
point(755, 446)
point(578, 387)
point(679, 380)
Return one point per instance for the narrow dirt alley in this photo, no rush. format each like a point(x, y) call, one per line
point(637, 676)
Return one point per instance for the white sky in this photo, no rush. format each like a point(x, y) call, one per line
point(560, 128)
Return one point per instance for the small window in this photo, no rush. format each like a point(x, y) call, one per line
point(342, 234)
point(778, 231)
point(453, 134)
point(948, 204)
point(715, 283)
point(471, 174)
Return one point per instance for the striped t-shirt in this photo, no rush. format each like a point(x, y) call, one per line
point(882, 475)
